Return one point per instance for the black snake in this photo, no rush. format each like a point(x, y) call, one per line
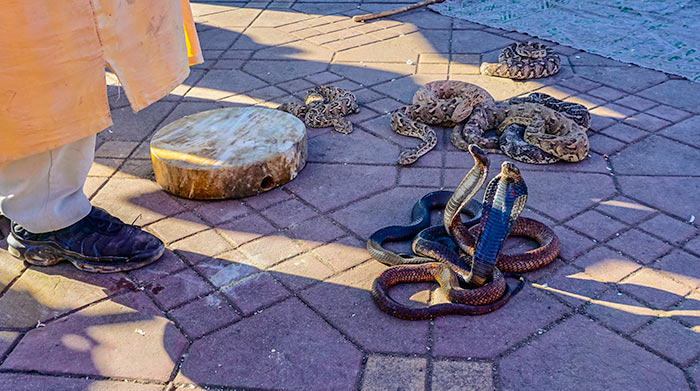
point(473, 286)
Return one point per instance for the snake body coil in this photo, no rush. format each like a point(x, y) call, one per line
point(472, 282)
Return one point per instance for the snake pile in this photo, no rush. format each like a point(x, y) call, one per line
point(463, 257)
point(443, 103)
point(524, 60)
point(537, 129)
point(325, 106)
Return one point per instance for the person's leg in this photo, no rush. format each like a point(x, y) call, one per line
point(52, 219)
point(44, 192)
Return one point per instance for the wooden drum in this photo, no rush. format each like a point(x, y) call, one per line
point(229, 153)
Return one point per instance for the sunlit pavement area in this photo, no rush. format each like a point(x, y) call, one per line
point(272, 291)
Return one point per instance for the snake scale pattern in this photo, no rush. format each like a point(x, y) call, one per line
point(443, 103)
point(467, 266)
point(524, 60)
point(325, 106)
point(537, 129)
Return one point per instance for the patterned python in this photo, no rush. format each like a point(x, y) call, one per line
point(325, 106)
point(524, 60)
point(538, 129)
point(443, 103)
point(480, 288)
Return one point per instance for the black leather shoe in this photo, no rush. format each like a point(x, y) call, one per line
point(98, 243)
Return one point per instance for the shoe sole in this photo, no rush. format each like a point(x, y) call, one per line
point(48, 255)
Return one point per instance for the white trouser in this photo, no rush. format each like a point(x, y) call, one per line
point(44, 192)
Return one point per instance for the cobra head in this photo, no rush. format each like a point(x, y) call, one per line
point(480, 157)
point(509, 170)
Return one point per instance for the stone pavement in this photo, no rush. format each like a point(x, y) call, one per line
point(272, 292)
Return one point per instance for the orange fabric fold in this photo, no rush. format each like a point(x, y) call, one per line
point(52, 60)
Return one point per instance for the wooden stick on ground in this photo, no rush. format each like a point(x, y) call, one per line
point(366, 17)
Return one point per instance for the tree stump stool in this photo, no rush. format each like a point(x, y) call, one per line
point(228, 153)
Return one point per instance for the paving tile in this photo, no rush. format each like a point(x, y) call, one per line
point(136, 200)
point(7, 338)
point(315, 232)
point(604, 144)
point(653, 151)
point(179, 288)
point(226, 269)
point(201, 246)
point(346, 303)
point(378, 72)
point(687, 131)
point(573, 244)
point(217, 84)
point(669, 91)
point(639, 245)
point(130, 126)
point(579, 84)
point(620, 312)
point(274, 71)
point(670, 338)
point(219, 211)
point(286, 346)
point(681, 266)
point(327, 187)
point(41, 294)
point(589, 59)
point(396, 373)
point(177, 227)
point(654, 288)
point(116, 149)
point(606, 265)
point(26, 382)
point(665, 195)
point(489, 335)
point(107, 339)
point(573, 287)
point(596, 225)
point(628, 79)
point(471, 41)
point(392, 207)
point(647, 122)
point(625, 209)
point(245, 229)
point(606, 93)
point(668, 228)
point(288, 212)
point(204, 315)
point(419, 176)
point(342, 254)
point(624, 132)
point(598, 122)
point(689, 310)
point(270, 250)
point(264, 200)
point(612, 110)
point(603, 361)
point(456, 375)
point(166, 265)
point(693, 245)
point(635, 102)
point(357, 147)
point(571, 192)
point(10, 267)
point(301, 271)
point(385, 105)
point(669, 113)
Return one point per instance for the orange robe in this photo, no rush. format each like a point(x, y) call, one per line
point(52, 65)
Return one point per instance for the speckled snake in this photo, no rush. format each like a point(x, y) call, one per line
point(474, 285)
point(325, 106)
point(537, 129)
point(440, 102)
point(524, 60)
